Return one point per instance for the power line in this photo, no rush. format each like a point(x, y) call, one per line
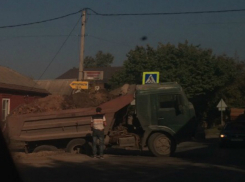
point(34, 36)
point(59, 49)
point(174, 13)
point(47, 35)
point(43, 21)
point(124, 14)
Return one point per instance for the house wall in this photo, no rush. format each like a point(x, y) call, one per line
point(16, 100)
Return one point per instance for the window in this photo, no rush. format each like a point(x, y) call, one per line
point(169, 101)
point(5, 108)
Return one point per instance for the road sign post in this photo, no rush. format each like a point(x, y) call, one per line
point(77, 85)
point(221, 106)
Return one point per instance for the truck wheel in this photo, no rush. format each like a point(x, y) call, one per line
point(160, 145)
point(76, 146)
point(45, 148)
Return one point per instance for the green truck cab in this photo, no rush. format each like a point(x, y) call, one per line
point(165, 115)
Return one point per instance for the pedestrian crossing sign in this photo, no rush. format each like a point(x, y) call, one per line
point(150, 77)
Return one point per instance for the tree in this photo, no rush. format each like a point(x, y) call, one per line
point(199, 71)
point(101, 60)
point(233, 94)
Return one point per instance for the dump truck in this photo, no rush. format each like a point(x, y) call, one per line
point(155, 116)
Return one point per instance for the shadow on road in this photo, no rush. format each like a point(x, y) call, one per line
point(129, 170)
point(197, 161)
point(128, 152)
point(211, 153)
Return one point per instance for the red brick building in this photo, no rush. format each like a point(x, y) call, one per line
point(15, 90)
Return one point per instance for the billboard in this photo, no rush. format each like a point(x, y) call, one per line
point(93, 75)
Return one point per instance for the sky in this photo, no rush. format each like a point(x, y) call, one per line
point(47, 50)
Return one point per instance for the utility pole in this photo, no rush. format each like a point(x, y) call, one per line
point(80, 75)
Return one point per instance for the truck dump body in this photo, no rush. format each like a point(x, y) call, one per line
point(61, 124)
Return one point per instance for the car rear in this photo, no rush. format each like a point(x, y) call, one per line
point(233, 134)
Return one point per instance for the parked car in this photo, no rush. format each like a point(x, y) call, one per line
point(233, 134)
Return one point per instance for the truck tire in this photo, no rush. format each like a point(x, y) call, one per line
point(160, 145)
point(42, 148)
point(77, 146)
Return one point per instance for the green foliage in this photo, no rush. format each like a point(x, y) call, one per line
point(234, 92)
point(203, 75)
point(101, 60)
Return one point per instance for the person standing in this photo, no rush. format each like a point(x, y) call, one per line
point(98, 123)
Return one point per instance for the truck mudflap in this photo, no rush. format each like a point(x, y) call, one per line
point(73, 123)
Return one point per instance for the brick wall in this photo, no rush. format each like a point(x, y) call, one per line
point(15, 100)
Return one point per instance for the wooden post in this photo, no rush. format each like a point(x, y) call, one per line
point(80, 75)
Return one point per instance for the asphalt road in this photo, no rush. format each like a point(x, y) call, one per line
point(193, 161)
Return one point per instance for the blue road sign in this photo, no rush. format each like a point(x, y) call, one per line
point(150, 77)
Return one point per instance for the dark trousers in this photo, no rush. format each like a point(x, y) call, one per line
point(98, 134)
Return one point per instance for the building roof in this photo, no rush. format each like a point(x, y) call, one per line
point(12, 80)
point(58, 86)
point(107, 72)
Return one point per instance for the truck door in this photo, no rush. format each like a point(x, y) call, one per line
point(172, 112)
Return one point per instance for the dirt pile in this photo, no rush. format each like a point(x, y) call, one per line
point(90, 98)
point(82, 99)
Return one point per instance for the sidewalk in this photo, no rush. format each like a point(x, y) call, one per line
point(212, 132)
